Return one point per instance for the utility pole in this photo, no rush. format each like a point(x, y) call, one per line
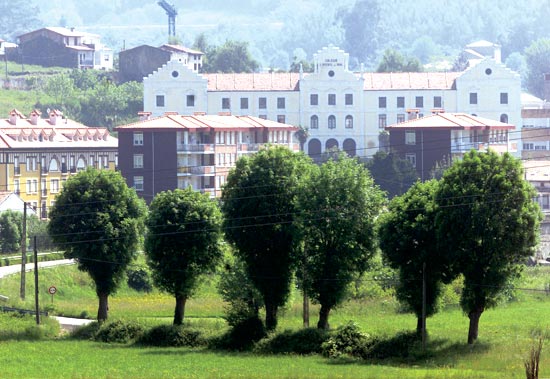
point(23, 252)
point(37, 308)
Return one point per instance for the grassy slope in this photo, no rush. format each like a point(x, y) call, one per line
point(503, 340)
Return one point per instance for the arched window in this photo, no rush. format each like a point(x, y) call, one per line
point(54, 165)
point(349, 147)
point(331, 122)
point(504, 118)
point(314, 122)
point(314, 149)
point(331, 144)
point(81, 164)
point(349, 122)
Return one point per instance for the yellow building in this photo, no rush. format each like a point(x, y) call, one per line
point(37, 155)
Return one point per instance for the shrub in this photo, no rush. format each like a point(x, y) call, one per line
point(241, 336)
point(304, 341)
point(140, 280)
point(172, 335)
point(86, 332)
point(399, 346)
point(119, 331)
point(348, 340)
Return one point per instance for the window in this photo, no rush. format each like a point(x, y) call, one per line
point(400, 117)
point(473, 98)
point(138, 139)
point(138, 160)
point(280, 103)
point(528, 146)
point(410, 138)
point(190, 100)
point(138, 183)
point(504, 97)
point(504, 118)
point(313, 99)
point(226, 103)
point(349, 122)
point(382, 121)
point(281, 118)
point(29, 186)
point(411, 157)
point(160, 100)
point(262, 103)
point(31, 163)
point(349, 98)
point(437, 102)
point(244, 102)
point(331, 122)
point(419, 101)
point(263, 116)
point(314, 122)
point(382, 102)
point(54, 185)
point(331, 99)
point(16, 169)
point(16, 187)
point(400, 102)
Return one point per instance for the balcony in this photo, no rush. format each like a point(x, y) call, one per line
point(44, 170)
point(209, 191)
point(44, 193)
point(16, 170)
point(197, 148)
point(197, 170)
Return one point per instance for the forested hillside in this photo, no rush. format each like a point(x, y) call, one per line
point(279, 30)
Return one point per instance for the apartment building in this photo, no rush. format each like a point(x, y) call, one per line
point(37, 155)
point(179, 151)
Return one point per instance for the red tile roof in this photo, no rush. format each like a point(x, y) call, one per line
point(451, 121)
point(287, 81)
point(407, 80)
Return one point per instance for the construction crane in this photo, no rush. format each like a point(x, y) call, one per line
point(172, 13)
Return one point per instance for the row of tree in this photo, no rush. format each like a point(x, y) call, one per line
point(286, 217)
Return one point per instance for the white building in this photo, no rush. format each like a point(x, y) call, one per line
point(340, 108)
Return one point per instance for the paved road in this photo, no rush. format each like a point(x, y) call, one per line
point(14, 269)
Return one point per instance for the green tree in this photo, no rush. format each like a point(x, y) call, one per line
point(259, 209)
point(408, 242)
point(392, 174)
point(394, 61)
point(17, 17)
point(183, 242)
point(11, 224)
point(488, 223)
point(98, 221)
point(537, 58)
point(362, 31)
point(232, 56)
point(337, 207)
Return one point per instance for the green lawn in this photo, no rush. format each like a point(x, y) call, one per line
point(504, 338)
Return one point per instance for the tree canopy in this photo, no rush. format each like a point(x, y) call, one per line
point(489, 224)
point(183, 242)
point(232, 56)
point(537, 57)
point(259, 209)
point(393, 174)
point(394, 61)
point(98, 221)
point(337, 208)
point(11, 225)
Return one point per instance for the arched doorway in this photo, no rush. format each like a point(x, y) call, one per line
point(314, 149)
point(349, 147)
point(331, 144)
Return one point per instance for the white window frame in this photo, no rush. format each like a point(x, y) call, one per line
point(138, 139)
point(410, 137)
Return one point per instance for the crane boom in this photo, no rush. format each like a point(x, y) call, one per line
point(172, 13)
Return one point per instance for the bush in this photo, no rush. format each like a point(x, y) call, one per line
point(86, 332)
point(304, 341)
point(172, 335)
point(348, 340)
point(400, 346)
point(241, 336)
point(140, 280)
point(119, 331)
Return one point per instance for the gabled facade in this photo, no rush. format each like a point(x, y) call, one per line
point(12, 202)
point(56, 46)
point(140, 61)
point(37, 155)
point(441, 137)
point(341, 109)
point(174, 151)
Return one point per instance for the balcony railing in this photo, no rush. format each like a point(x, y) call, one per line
point(197, 170)
point(197, 148)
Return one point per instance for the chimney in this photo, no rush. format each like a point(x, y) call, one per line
point(54, 116)
point(35, 116)
point(413, 113)
point(547, 86)
point(199, 113)
point(144, 116)
point(14, 115)
point(224, 113)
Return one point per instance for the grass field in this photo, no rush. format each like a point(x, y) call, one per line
point(504, 338)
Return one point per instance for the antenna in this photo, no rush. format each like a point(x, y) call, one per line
point(172, 13)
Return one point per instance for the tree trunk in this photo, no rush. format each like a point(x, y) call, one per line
point(270, 316)
point(179, 312)
point(323, 318)
point(305, 311)
point(419, 326)
point(103, 309)
point(474, 324)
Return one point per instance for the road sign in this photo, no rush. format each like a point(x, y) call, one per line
point(52, 290)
